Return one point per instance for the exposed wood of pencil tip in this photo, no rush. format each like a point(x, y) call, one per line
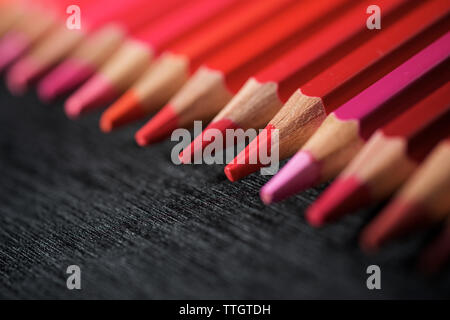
point(99, 46)
point(382, 163)
point(334, 143)
point(430, 185)
point(297, 120)
point(253, 106)
point(162, 81)
point(202, 96)
point(127, 64)
point(56, 45)
point(10, 13)
point(34, 25)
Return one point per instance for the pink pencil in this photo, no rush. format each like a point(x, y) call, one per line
point(345, 130)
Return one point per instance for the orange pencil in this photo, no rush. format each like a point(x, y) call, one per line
point(422, 201)
point(212, 86)
point(171, 71)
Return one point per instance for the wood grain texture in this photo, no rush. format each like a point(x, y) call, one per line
point(253, 106)
point(141, 227)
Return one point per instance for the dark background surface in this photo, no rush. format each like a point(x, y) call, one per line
point(141, 227)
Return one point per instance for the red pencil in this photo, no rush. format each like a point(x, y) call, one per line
point(422, 201)
point(265, 92)
point(389, 157)
point(212, 86)
point(344, 131)
point(99, 46)
point(129, 63)
point(171, 71)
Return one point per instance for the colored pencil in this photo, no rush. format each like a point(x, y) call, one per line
point(346, 129)
point(134, 57)
point(171, 71)
point(100, 46)
point(265, 93)
point(37, 19)
point(422, 201)
point(212, 86)
point(11, 12)
point(33, 25)
point(87, 57)
point(387, 159)
point(437, 254)
point(56, 45)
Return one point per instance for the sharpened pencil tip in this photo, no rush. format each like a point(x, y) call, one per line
point(159, 127)
point(72, 107)
point(64, 78)
point(106, 125)
point(315, 220)
point(181, 158)
point(206, 138)
point(399, 217)
point(266, 197)
point(140, 139)
point(92, 95)
point(342, 197)
point(248, 160)
point(300, 173)
point(230, 172)
point(125, 110)
point(237, 171)
point(12, 46)
point(21, 74)
point(46, 94)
